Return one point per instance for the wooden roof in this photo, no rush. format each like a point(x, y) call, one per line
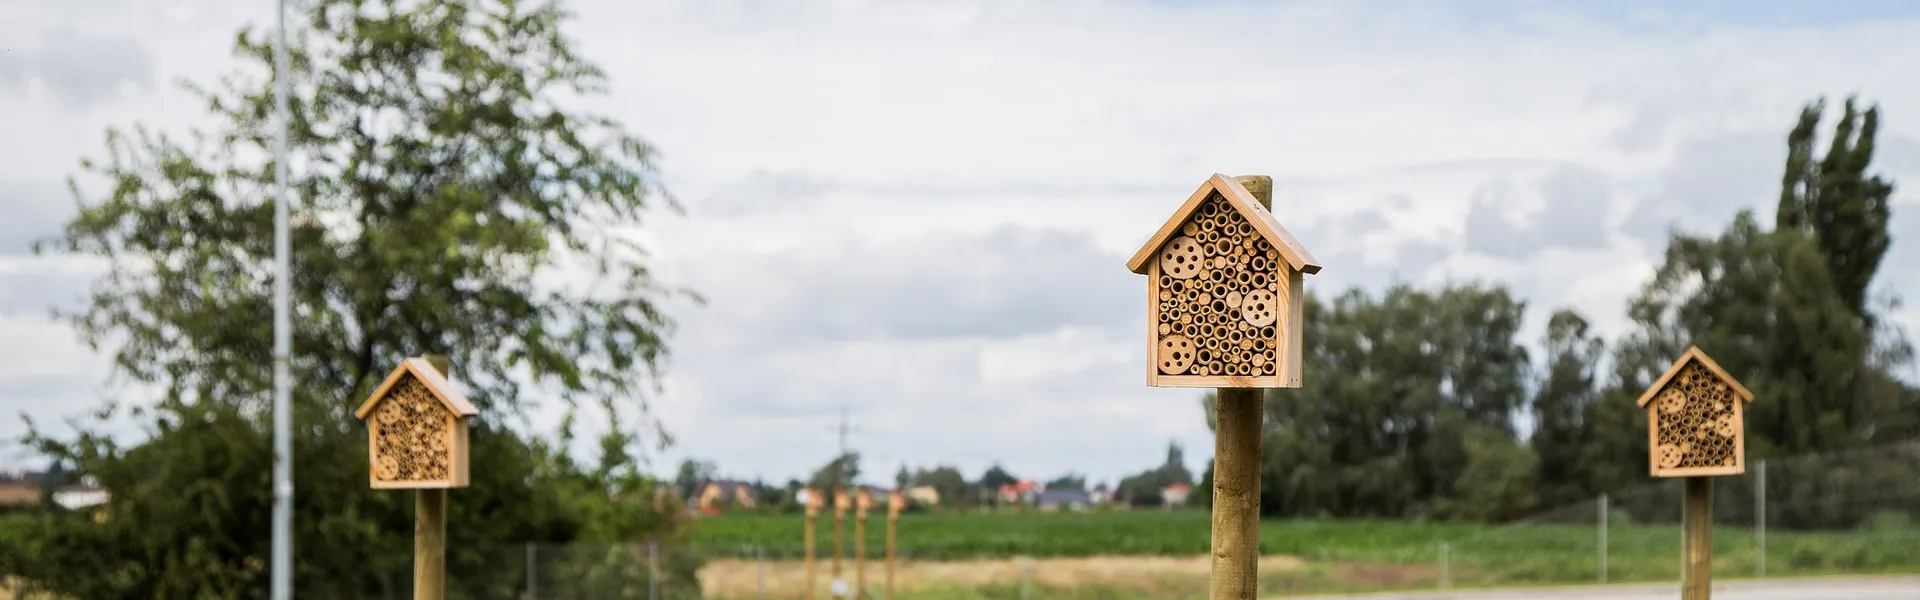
point(428, 376)
point(1242, 200)
point(1694, 354)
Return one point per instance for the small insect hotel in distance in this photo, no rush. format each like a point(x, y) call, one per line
point(1696, 422)
point(417, 436)
point(1224, 290)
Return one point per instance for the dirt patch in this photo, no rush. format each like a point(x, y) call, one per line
point(735, 578)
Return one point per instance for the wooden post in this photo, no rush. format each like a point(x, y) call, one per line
point(893, 522)
point(839, 517)
point(814, 498)
point(1236, 473)
point(859, 545)
point(1236, 495)
point(1696, 542)
point(430, 528)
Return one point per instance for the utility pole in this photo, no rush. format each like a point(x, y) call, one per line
point(280, 576)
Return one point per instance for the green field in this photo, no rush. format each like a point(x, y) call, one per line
point(1348, 555)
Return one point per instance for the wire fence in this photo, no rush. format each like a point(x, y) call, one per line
point(1850, 512)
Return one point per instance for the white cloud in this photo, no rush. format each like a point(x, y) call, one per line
point(885, 148)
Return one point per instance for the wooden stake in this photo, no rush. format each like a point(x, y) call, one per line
point(839, 517)
point(1236, 495)
point(893, 522)
point(1696, 542)
point(814, 498)
point(430, 529)
point(859, 547)
point(1236, 473)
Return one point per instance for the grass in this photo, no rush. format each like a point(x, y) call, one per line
point(968, 556)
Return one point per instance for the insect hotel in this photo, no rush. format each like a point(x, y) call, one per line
point(417, 433)
point(1695, 424)
point(1224, 293)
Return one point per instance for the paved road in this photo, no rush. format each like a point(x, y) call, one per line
point(1839, 588)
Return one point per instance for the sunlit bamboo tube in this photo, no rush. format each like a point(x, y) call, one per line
point(1188, 328)
point(1259, 345)
point(1259, 359)
point(1217, 366)
point(1245, 228)
point(1190, 229)
point(1222, 246)
point(1243, 278)
point(1209, 209)
point(1191, 295)
point(1217, 276)
point(1234, 335)
point(1259, 262)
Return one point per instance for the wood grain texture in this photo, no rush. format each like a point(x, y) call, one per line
point(1236, 495)
point(1258, 215)
point(860, 545)
point(430, 544)
point(1696, 542)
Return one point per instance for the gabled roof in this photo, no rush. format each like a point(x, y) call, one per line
point(428, 376)
point(1694, 354)
point(1249, 207)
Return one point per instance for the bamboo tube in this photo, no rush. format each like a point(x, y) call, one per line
point(1223, 245)
point(1258, 263)
point(1246, 229)
point(1190, 229)
point(1267, 333)
point(1258, 279)
point(1190, 329)
point(1217, 276)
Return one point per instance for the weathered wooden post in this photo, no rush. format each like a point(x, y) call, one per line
point(417, 439)
point(840, 504)
point(862, 500)
point(1695, 431)
point(1225, 296)
point(895, 501)
point(814, 498)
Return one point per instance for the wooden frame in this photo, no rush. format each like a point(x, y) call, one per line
point(456, 410)
point(1741, 397)
point(1286, 278)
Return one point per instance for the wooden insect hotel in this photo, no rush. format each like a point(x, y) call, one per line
point(417, 433)
point(1695, 420)
point(1224, 290)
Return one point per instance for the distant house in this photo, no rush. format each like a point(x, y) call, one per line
point(1100, 494)
point(19, 491)
point(1064, 499)
point(1022, 492)
point(75, 497)
point(27, 489)
point(924, 494)
point(1175, 495)
point(714, 495)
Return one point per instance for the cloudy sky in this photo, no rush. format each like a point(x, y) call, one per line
point(920, 212)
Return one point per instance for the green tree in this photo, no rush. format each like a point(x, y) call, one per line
point(842, 471)
point(1833, 200)
point(691, 475)
point(1569, 388)
point(1399, 382)
point(949, 483)
point(902, 478)
point(437, 185)
point(995, 477)
point(1069, 481)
